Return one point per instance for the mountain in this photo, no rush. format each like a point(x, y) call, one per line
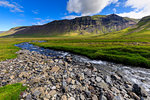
point(142, 26)
point(98, 24)
point(139, 30)
point(145, 21)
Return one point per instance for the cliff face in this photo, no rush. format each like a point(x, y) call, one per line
point(92, 24)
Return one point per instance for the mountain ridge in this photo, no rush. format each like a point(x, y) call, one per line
point(98, 24)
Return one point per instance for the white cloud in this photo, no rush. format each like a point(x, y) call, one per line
point(88, 7)
point(14, 7)
point(117, 4)
point(141, 8)
point(41, 21)
point(35, 11)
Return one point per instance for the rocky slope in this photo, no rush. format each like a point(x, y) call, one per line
point(89, 24)
point(59, 78)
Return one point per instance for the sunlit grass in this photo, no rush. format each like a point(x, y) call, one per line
point(11, 92)
point(8, 49)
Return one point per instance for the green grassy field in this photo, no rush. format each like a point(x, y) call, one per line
point(7, 48)
point(11, 92)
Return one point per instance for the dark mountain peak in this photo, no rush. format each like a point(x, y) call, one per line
point(114, 17)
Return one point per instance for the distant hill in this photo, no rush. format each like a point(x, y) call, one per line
point(139, 30)
point(2, 31)
point(142, 26)
point(98, 24)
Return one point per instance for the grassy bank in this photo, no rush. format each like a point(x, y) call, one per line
point(7, 48)
point(11, 92)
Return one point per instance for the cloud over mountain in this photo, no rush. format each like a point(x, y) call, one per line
point(88, 7)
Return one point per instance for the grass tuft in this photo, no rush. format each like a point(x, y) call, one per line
point(11, 92)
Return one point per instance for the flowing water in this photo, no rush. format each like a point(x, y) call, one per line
point(140, 76)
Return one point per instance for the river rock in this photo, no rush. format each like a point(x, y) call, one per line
point(88, 72)
point(103, 85)
point(69, 80)
point(28, 97)
point(94, 97)
point(102, 97)
point(136, 89)
point(133, 95)
point(53, 88)
point(108, 79)
point(82, 97)
point(12, 77)
point(55, 69)
point(98, 79)
point(118, 98)
point(115, 90)
point(115, 77)
point(36, 93)
point(71, 98)
point(52, 93)
point(64, 97)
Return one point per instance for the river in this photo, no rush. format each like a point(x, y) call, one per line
point(140, 76)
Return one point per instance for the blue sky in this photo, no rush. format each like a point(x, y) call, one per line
point(15, 13)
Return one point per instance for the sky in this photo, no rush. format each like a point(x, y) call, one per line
point(15, 13)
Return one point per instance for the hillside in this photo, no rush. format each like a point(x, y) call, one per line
point(98, 24)
point(142, 26)
point(139, 30)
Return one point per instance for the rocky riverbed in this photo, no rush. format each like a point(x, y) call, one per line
point(61, 76)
